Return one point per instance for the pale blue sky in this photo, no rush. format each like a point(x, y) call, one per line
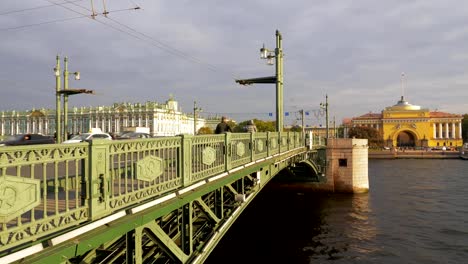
point(354, 51)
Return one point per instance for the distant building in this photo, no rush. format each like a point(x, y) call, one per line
point(163, 119)
point(407, 125)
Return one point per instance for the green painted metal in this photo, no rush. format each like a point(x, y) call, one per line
point(58, 114)
point(65, 99)
point(84, 182)
point(277, 79)
point(17, 195)
point(325, 106)
point(279, 82)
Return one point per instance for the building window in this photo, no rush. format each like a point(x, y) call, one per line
point(343, 162)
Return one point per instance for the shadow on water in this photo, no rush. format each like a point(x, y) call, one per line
point(295, 226)
point(415, 212)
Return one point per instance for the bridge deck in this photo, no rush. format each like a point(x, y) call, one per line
point(50, 189)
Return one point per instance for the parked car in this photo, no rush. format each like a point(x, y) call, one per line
point(27, 139)
point(133, 135)
point(87, 137)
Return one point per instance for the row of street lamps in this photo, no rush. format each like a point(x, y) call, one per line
point(58, 97)
point(265, 53)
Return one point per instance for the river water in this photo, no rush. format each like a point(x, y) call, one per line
point(415, 212)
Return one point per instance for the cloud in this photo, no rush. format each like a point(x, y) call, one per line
point(354, 51)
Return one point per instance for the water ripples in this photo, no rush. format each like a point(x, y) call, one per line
point(416, 212)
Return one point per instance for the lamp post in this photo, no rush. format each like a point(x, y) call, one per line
point(58, 120)
point(65, 96)
point(195, 111)
point(277, 54)
point(66, 92)
point(325, 106)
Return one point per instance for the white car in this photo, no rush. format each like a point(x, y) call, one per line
point(88, 136)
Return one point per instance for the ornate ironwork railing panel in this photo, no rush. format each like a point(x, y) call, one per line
point(142, 169)
point(41, 191)
point(260, 145)
point(273, 144)
point(208, 156)
point(240, 149)
point(284, 141)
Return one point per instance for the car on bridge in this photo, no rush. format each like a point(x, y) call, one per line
point(94, 133)
point(27, 139)
point(87, 137)
point(133, 135)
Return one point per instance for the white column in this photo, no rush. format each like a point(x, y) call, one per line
point(117, 124)
point(446, 130)
point(460, 130)
point(453, 130)
point(434, 132)
point(440, 130)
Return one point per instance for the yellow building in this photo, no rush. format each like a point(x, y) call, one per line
point(407, 125)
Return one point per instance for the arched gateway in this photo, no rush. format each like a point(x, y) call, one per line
point(406, 139)
point(408, 125)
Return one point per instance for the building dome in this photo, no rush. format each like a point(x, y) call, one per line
point(403, 105)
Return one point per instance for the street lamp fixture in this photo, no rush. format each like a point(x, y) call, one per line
point(77, 75)
point(269, 55)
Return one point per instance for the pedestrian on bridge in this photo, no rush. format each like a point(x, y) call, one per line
point(250, 127)
point(223, 127)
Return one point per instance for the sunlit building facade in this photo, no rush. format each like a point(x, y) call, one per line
point(407, 125)
point(163, 119)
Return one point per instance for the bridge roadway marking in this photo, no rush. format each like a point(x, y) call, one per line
point(79, 231)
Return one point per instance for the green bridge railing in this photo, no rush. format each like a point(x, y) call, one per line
point(46, 190)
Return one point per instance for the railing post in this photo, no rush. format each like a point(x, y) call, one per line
point(252, 146)
point(99, 179)
point(228, 151)
point(268, 144)
point(185, 155)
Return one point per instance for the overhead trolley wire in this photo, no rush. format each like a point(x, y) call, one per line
point(143, 37)
point(57, 20)
point(32, 8)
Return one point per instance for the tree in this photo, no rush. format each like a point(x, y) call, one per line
point(262, 126)
point(373, 136)
point(239, 128)
point(265, 126)
point(295, 128)
point(205, 130)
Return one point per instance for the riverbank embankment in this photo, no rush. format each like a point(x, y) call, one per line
point(413, 154)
